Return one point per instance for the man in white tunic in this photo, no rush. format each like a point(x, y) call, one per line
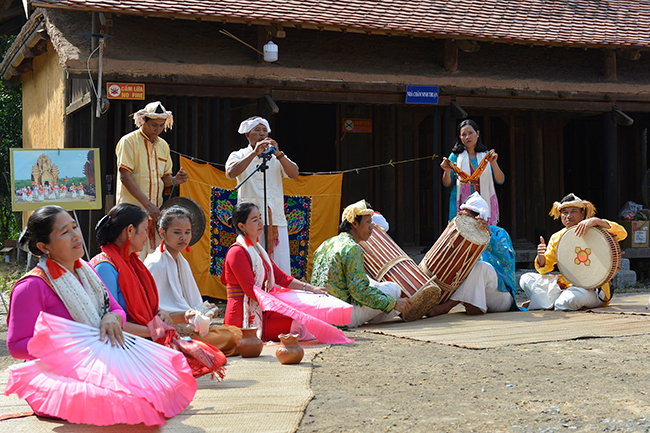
point(242, 163)
point(479, 293)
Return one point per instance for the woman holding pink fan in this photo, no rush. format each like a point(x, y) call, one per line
point(67, 325)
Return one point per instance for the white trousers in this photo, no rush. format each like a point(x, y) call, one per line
point(280, 254)
point(362, 314)
point(481, 289)
point(545, 294)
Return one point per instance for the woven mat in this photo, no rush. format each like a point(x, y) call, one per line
point(513, 328)
point(627, 304)
point(258, 394)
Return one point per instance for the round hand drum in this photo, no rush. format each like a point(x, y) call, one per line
point(588, 261)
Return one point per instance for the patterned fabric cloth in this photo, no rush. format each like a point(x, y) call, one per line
point(148, 163)
point(551, 250)
point(338, 266)
point(297, 211)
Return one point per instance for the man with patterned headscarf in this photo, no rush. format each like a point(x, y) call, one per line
point(338, 266)
point(554, 291)
point(145, 165)
point(242, 163)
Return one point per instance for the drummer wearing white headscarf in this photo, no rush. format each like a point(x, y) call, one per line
point(480, 293)
point(554, 291)
point(145, 165)
point(243, 162)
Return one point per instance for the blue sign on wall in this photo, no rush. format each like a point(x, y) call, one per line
point(422, 94)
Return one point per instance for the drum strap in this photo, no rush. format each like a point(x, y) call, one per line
point(601, 295)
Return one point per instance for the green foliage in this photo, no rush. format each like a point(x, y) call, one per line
point(11, 120)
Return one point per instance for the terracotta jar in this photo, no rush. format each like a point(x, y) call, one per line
point(250, 346)
point(290, 351)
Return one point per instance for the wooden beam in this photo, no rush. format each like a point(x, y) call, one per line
point(533, 104)
point(610, 65)
point(451, 56)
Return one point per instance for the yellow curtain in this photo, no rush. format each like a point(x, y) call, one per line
point(325, 191)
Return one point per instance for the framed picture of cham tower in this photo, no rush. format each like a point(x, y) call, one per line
point(65, 177)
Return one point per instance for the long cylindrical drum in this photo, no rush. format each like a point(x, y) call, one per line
point(384, 260)
point(455, 253)
point(588, 261)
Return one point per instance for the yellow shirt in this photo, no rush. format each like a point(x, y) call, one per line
point(148, 163)
point(551, 249)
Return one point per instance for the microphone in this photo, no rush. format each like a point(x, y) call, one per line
point(268, 152)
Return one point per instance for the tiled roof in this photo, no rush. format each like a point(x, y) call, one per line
point(573, 22)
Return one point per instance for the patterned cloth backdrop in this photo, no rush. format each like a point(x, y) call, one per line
point(298, 213)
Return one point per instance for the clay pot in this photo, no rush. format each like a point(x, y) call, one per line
point(250, 346)
point(290, 351)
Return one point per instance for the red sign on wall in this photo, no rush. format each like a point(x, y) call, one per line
point(125, 91)
point(357, 125)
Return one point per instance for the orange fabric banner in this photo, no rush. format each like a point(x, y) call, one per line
point(325, 191)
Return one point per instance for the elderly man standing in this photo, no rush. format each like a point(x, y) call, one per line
point(145, 165)
point(338, 266)
point(242, 163)
point(554, 291)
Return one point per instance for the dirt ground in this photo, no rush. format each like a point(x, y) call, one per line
point(381, 383)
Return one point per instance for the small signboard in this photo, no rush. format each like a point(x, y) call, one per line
point(125, 91)
point(357, 125)
point(422, 95)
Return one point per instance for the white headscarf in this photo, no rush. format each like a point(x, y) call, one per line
point(154, 110)
point(477, 204)
point(247, 125)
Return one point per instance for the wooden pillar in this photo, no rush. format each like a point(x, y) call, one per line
point(537, 167)
point(451, 56)
point(611, 167)
point(610, 65)
point(437, 175)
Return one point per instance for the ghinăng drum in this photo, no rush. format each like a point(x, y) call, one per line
point(455, 253)
point(588, 261)
point(384, 260)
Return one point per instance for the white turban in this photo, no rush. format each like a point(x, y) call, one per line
point(379, 219)
point(247, 125)
point(154, 110)
point(477, 204)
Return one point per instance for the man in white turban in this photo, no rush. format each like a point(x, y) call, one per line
point(242, 163)
point(482, 291)
point(145, 166)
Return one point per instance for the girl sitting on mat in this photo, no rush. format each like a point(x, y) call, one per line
point(177, 289)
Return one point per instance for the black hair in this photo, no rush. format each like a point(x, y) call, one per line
point(171, 213)
point(345, 225)
point(459, 147)
point(120, 217)
point(40, 226)
point(567, 198)
point(240, 214)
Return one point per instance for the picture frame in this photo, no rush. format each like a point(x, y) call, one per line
point(69, 178)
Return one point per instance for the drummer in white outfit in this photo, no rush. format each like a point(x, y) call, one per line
point(554, 291)
point(479, 293)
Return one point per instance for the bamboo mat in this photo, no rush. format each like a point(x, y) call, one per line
point(515, 328)
point(627, 304)
point(257, 395)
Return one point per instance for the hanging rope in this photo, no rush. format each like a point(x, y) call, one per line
point(311, 173)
